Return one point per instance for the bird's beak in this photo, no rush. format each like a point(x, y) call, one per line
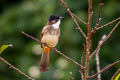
point(61, 17)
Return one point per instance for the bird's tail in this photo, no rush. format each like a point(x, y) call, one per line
point(44, 62)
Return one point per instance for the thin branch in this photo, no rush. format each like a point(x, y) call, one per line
point(71, 76)
point(111, 22)
point(62, 54)
point(81, 73)
point(33, 38)
point(16, 69)
point(108, 23)
point(88, 39)
point(104, 38)
point(105, 68)
point(71, 14)
point(108, 36)
point(99, 45)
point(79, 19)
point(82, 60)
point(90, 13)
point(54, 49)
point(97, 56)
point(112, 31)
point(98, 64)
point(99, 15)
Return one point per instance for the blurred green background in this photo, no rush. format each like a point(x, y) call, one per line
point(31, 15)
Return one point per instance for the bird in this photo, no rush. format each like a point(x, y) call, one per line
point(49, 38)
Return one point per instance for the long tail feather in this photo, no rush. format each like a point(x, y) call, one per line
point(44, 62)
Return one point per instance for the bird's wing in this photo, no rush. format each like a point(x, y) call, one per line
point(42, 32)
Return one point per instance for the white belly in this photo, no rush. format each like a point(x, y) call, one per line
point(50, 40)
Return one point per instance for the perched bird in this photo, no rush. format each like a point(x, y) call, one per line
point(49, 36)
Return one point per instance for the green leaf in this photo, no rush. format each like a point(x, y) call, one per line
point(118, 76)
point(3, 47)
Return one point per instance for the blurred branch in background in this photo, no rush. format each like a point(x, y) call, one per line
point(71, 76)
point(16, 69)
point(2, 48)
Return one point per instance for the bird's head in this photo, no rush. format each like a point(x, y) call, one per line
point(54, 20)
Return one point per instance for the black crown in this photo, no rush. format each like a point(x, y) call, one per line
point(52, 17)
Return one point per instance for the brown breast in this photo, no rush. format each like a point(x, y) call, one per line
point(50, 36)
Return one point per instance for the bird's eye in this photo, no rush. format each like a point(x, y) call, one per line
point(57, 18)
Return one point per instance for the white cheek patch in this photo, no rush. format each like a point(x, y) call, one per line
point(56, 25)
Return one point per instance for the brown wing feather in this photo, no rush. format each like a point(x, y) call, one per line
point(42, 33)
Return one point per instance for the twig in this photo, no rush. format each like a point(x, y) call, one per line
point(97, 56)
point(71, 76)
point(104, 69)
point(112, 31)
point(18, 70)
point(33, 38)
point(79, 19)
point(99, 45)
point(99, 17)
point(108, 23)
point(54, 49)
point(82, 60)
point(71, 14)
point(104, 38)
point(94, 30)
point(98, 64)
point(88, 39)
point(81, 73)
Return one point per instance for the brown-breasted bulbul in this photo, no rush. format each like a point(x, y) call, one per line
point(49, 36)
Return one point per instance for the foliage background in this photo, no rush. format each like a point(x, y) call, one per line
point(31, 15)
